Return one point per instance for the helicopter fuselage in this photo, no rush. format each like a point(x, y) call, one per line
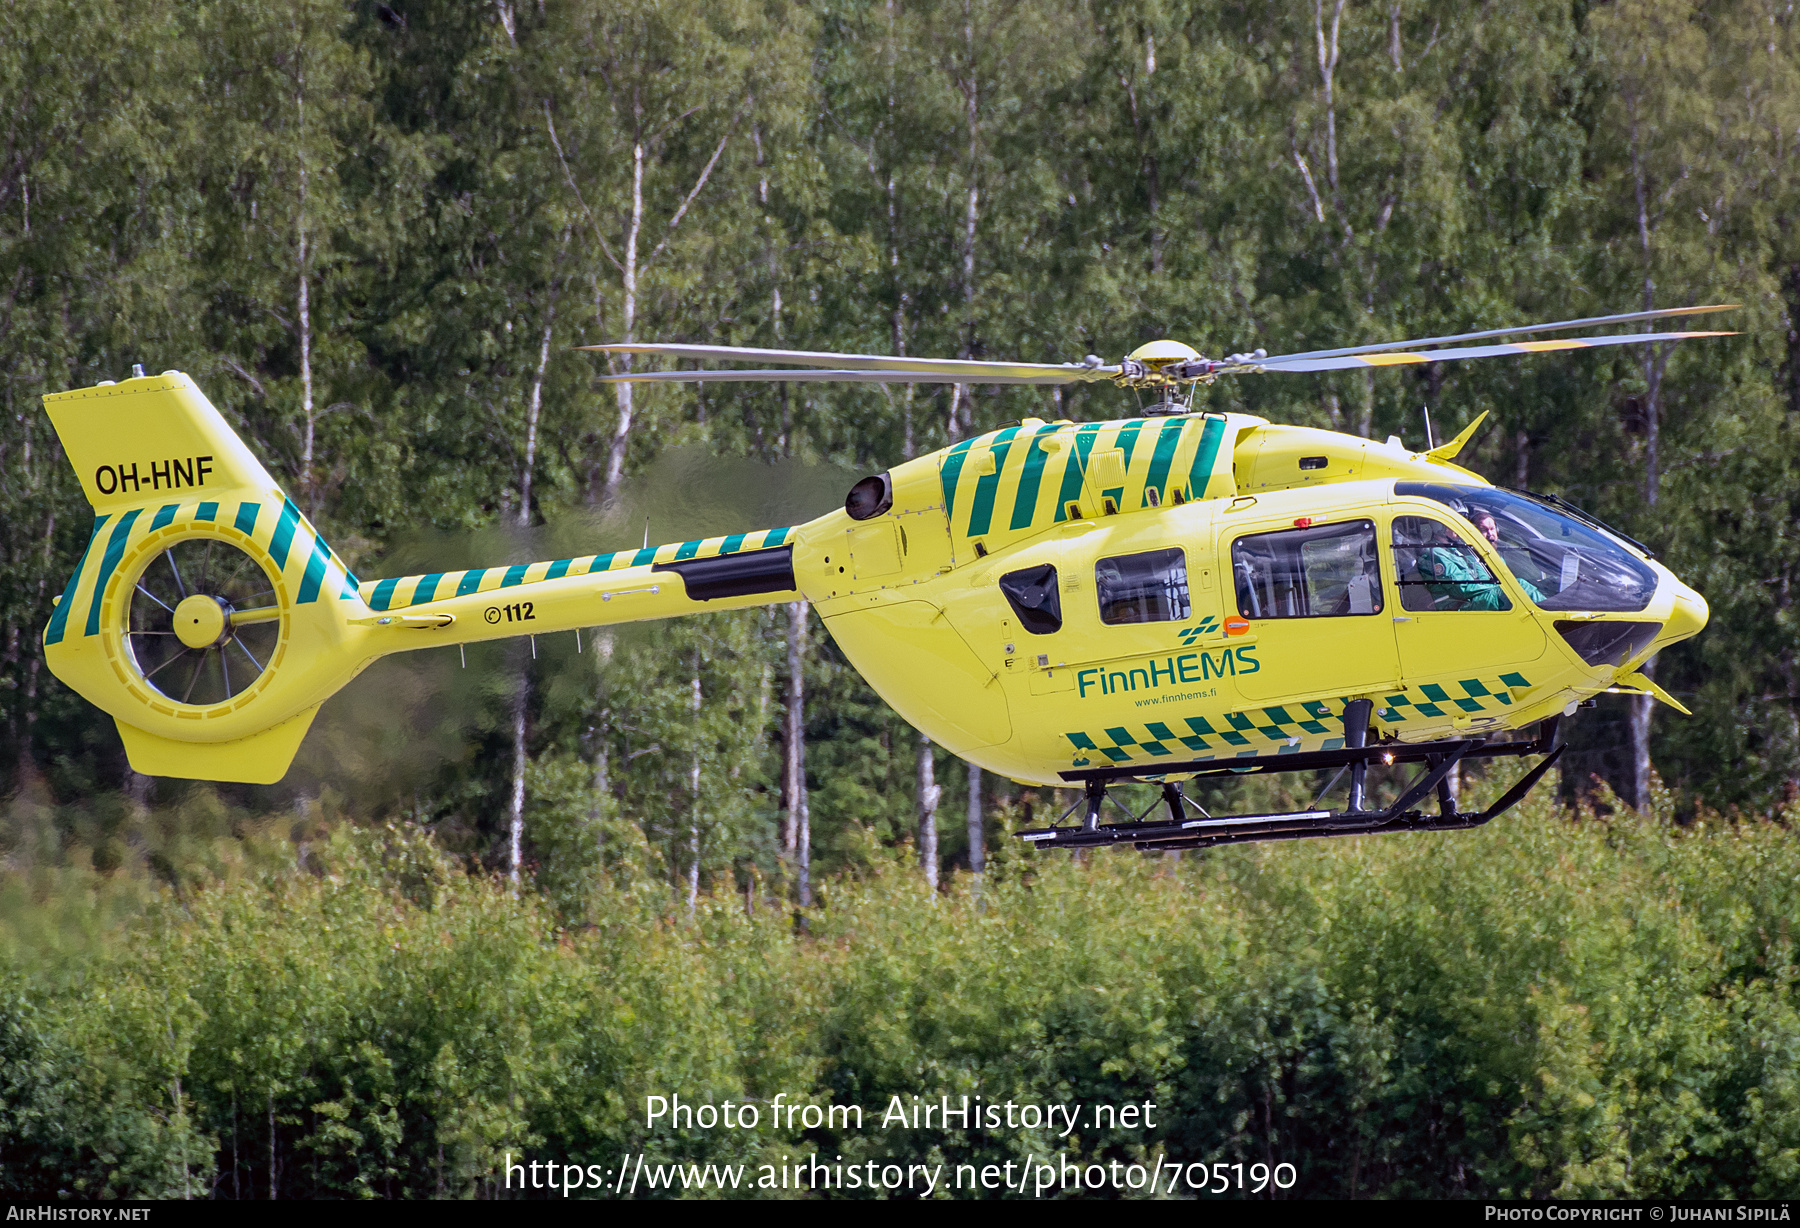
point(1207, 613)
point(1154, 597)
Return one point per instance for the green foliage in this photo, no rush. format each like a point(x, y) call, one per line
point(385, 1026)
point(376, 232)
point(1549, 1007)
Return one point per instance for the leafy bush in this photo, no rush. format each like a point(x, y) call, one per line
point(1556, 1005)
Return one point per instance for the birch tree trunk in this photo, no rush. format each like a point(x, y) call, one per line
point(515, 810)
point(515, 820)
point(303, 323)
point(928, 804)
point(27, 753)
point(1328, 62)
point(693, 875)
point(794, 802)
point(602, 784)
point(615, 453)
point(977, 826)
point(630, 269)
point(1655, 359)
point(532, 407)
point(803, 856)
point(962, 410)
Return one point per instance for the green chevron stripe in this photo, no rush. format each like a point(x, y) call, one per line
point(950, 473)
point(1075, 469)
point(1205, 456)
point(284, 534)
point(981, 515)
point(1166, 443)
point(115, 549)
point(314, 575)
point(1128, 438)
point(1030, 479)
point(59, 617)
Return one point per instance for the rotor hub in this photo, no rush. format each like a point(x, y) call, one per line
point(202, 621)
point(1159, 364)
point(1159, 354)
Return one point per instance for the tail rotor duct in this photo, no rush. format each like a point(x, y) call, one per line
point(203, 623)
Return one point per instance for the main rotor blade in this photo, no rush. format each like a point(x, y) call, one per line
point(1473, 351)
point(970, 370)
point(1593, 321)
point(854, 377)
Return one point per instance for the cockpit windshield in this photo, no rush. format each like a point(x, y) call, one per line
point(1573, 566)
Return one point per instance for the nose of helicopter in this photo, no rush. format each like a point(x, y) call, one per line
point(1687, 618)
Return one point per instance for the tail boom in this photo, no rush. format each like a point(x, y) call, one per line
point(719, 573)
point(165, 474)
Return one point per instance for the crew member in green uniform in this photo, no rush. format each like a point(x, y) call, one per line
point(1454, 573)
point(1484, 524)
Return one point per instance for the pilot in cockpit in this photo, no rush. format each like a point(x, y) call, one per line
point(1454, 574)
point(1486, 526)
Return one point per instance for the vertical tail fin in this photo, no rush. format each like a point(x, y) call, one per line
point(151, 440)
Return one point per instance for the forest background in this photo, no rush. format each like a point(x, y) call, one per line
point(374, 233)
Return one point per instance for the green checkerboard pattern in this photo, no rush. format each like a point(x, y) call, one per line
point(1284, 729)
point(1236, 735)
point(1206, 626)
point(1477, 696)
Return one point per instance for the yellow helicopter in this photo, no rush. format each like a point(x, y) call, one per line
point(1174, 595)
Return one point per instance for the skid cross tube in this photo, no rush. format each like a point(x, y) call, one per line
point(1441, 760)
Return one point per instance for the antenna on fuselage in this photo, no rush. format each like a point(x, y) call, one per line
point(1430, 439)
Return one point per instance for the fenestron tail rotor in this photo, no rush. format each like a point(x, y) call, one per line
point(1160, 364)
point(203, 623)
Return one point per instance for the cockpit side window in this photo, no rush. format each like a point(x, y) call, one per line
point(1437, 569)
point(1308, 573)
point(1559, 562)
point(1143, 588)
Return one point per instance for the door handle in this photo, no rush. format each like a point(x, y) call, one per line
point(1399, 619)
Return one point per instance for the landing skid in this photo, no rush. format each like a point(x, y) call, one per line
point(1182, 830)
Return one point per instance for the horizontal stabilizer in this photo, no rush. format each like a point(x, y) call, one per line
point(1635, 683)
point(260, 759)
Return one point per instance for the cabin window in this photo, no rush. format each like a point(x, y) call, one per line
point(1320, 572)
point(1437, 569)
point(1032, 594)
point(1143, 588)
